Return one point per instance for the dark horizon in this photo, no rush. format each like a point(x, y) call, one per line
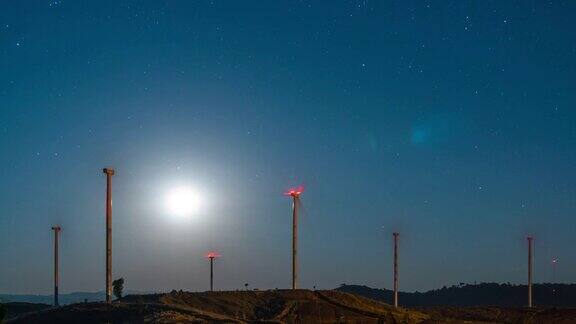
point(452, 123)
point(461, 294)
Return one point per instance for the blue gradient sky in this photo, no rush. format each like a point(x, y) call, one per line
point(453, 122)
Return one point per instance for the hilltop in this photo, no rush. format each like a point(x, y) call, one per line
point(273, 306)
point(279, 306)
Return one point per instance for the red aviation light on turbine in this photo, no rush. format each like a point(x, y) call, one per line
point(212, 255)
point(294, 192)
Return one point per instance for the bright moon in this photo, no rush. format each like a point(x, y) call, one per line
point(183, 202)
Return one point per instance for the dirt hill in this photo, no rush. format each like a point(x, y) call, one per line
point(279, 306)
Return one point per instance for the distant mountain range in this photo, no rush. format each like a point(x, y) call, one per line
point(64, 299)
point(483, 294)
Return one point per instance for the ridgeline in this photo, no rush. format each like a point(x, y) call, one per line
point(483, 294)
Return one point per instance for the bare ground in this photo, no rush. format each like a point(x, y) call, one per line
point(280, 306)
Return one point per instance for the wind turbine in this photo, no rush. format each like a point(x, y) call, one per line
point(109, 173)
point(530, 239)
point(396, 235)
point(56, 230)
point(211, 256)
point(554, 265)
point(295, 194)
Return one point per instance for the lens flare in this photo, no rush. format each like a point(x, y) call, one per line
point(183, 201)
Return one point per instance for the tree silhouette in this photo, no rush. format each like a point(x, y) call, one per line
point(118, 287)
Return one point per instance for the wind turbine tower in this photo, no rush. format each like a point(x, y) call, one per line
point(396, 235)
point(530, 239)
point(56, 230)
point(211, 256)
point(109, 173)
point(554, 265)
point(295, 194)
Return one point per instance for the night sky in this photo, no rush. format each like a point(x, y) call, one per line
point(452, 122)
